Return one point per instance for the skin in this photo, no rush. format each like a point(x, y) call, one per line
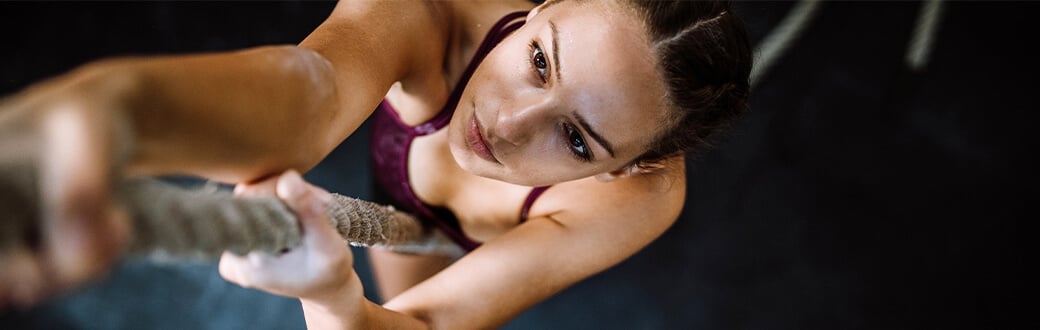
point(602, 221)
point(598, 212)
point(594, 70)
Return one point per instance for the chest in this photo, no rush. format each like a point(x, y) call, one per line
point(485, 208)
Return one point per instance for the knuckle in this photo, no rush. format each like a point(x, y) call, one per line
point(224, 269)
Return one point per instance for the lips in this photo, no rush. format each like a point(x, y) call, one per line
point(476, 141)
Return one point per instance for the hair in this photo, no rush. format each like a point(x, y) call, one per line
point(704, 56)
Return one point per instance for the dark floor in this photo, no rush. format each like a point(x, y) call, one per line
point(855, 195)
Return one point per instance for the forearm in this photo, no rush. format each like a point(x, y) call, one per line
point(230, 116)
point(348, 309)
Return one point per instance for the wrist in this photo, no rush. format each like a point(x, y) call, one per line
point(108, 90)
point(333, 296)
point(342, 305)
point(116, 82)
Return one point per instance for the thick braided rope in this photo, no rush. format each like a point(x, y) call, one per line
point(174, 222)
point(182, 222)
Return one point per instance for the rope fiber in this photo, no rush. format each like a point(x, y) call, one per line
point(173, 222)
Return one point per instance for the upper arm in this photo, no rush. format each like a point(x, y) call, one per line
point(370, 45)
point(546, 255)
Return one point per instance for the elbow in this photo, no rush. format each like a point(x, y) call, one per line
point(308, 133)
point(277, 164)
point(304, 161)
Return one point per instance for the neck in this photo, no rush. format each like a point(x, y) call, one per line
point(470, 20)
point(467, 23)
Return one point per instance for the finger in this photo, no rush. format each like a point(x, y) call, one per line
point(258, 188)
point(224, 266)
point(320, 238)
point(7, 280)
point(76, 186)
point(24, 278)
point(230, 268)
point(257, 268)
point(309, 203)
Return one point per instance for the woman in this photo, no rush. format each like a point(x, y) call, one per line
point(555, 145)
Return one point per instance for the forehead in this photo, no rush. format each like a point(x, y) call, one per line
point(607, 69)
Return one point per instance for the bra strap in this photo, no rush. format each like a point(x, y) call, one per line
point(531, 197)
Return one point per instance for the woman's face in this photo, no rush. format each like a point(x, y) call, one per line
point(572, 94)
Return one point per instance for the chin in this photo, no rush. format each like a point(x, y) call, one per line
point(466, 160)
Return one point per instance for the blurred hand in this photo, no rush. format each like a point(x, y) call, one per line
point(72, 136)
point(321, 264)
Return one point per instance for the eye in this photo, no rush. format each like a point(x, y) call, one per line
point(576, 143)
point(538, 61)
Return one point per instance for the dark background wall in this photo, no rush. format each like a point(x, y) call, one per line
point(854, 195)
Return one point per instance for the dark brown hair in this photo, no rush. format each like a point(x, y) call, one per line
point(704, 56)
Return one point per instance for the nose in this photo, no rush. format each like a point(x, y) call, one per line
point(517, 123)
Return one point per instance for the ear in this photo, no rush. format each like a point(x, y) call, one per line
point(629, 170)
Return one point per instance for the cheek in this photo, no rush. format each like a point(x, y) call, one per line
point(503, 66)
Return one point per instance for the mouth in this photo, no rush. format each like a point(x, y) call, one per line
point(476, 142)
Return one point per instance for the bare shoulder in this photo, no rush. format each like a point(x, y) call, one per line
point(367, 46)
point(403, 10)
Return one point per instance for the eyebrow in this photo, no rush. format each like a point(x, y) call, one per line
point(581, 120)
point(556, 49)
point(595, 136)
